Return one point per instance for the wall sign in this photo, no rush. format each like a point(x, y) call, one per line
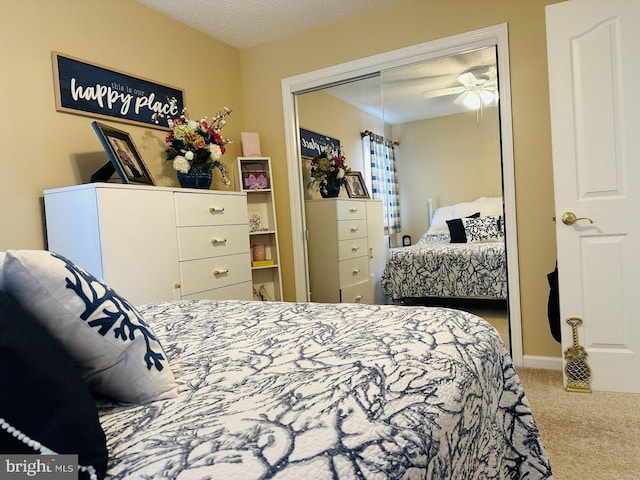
point(87, 89)
point(313, 144)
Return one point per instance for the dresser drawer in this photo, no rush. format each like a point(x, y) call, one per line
point(238, 291)
point(358, 293)
point(351, 210)
point(210, 209)
point(209, 273)
point(353, 271)
point(348, 229)
point(352, 248)
point(211, 241)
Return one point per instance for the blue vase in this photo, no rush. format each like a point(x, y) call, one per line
point(195, 179)
point(330, 188)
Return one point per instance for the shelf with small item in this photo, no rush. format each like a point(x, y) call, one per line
point(257, 181)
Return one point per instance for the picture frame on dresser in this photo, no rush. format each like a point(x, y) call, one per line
point(355, 185)
point(123, 154)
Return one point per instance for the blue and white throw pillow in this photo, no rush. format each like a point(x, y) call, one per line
point(483, 229)
point(117, 353)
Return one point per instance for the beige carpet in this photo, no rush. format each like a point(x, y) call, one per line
point(496, 315)
point(587, 436)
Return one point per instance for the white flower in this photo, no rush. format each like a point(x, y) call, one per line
point(189, 155)
point(216, 152)
point(193, 125)
point(181, 164)
point(340, 173)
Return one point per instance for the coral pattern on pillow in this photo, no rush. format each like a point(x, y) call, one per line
point(117, 352)
point(483, 229)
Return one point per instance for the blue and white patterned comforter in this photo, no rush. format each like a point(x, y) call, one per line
point(322, 391)
point(434, 267)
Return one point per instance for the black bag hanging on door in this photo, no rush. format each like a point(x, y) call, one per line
point(553, 306)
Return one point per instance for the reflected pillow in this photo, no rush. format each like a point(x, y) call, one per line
point(489, 206)
point(117, 353)
point(485, 205)
point(483, 229)
point(438, 223)
point(456, 228)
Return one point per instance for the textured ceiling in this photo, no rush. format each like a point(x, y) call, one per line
point(247, 23)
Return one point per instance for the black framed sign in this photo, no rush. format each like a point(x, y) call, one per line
point(95, 91)
point(313, 144)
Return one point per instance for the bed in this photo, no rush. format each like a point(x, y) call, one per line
point(256, 390)
point(462, 255)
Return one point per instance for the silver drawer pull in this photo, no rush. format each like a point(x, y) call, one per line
point(356, 271)
point(355, 248)
point(354, 229)
point(220, 271)
point(358, 298)
point(353, 210)
point(216, 209)
point(218, 240)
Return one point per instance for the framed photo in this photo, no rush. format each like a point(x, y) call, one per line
point(123, 154)
point(355, 185)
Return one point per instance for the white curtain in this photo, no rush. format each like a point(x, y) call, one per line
point(384, 178)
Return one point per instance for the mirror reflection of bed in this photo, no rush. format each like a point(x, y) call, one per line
point(460, 262)
point(445, 156)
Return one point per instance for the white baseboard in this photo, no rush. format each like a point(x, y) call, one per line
point(546, 363)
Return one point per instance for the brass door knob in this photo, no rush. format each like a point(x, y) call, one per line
point(569, 218)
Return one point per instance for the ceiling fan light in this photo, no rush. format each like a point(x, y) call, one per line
point(487, 97)
point(471, 100)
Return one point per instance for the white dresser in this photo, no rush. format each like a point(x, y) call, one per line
point(345, 248)
point(154, 243)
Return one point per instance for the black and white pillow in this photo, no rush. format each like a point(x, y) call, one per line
point(43, 394)
point(457, 231)
point(117, 353)
point(483, 229)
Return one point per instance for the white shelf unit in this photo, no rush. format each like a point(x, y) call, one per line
point(257, 181)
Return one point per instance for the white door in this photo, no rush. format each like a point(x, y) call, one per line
point(594, 78)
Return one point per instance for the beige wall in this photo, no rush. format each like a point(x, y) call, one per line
point(327, 115)
point(449, 159)
point(42, 148)
point(407, 23)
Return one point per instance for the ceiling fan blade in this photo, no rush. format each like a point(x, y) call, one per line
point(459, 100)
point(467, 79)
point(443, 92)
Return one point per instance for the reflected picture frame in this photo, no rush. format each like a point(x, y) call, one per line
point(355, 185)
point(123, 154)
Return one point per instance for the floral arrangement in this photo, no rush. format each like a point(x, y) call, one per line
point(328, 167)
point(197, 145)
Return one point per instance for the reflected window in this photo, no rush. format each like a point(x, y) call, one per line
point(380, 156)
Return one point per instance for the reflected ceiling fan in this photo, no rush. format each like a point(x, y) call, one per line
point(476, 89)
